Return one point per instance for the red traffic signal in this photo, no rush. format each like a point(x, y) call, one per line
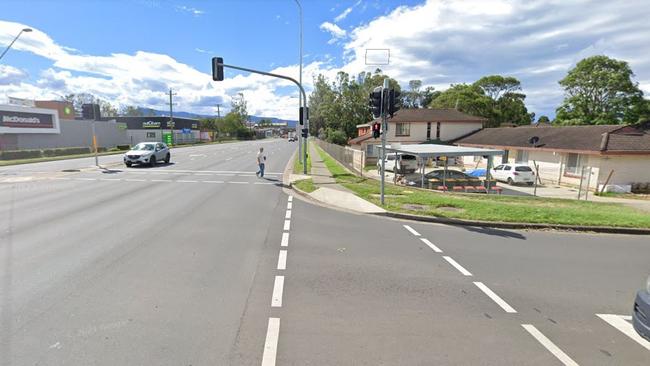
point(376, 130)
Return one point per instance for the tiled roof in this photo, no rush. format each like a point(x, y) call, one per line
point(433, 115)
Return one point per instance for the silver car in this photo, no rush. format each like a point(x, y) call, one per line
point(147, 153)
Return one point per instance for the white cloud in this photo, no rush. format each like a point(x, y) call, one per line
point(343, 15)
point(333, 29)
point(10, 75)
point(194, 11)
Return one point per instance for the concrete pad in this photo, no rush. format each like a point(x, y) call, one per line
point(344, 200)
point(296, 177)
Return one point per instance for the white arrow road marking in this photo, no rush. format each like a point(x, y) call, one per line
point(622, 323)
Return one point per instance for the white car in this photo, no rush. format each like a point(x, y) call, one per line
point(514, 174)
point(147, 153)
point(405, 163)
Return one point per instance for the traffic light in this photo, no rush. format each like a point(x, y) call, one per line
point(376, 130)
point(375, 102)
point(302, 116)
point(394, 103)
point(304, 133)
point(217, 68)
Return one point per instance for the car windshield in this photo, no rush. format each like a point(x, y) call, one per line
point(147, 147)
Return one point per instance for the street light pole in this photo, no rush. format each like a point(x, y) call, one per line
point(302, 143)
point(26, 30)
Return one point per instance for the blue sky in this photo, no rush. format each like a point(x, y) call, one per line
point(130, 52)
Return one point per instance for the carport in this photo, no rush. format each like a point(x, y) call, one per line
point(425, 151)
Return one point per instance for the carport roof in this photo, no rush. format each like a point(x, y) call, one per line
point(428, 150)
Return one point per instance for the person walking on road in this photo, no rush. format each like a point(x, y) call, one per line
point(261, 159)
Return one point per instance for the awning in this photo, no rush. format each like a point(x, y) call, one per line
point(432, 150)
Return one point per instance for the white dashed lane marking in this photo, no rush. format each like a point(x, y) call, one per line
point(431, 245)
point(411, 230)
point(278, 288)
point(271, 343)
point(287, 225)
point(282, 260)
point(550, 346)
point(285, 240)
point(504, 305)
point(287, 214)
point(457, 266)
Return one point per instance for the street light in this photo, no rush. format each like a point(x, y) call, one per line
point(301, 143)
point(26, 30)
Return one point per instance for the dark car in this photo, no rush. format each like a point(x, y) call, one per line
point(641, 314)
point(439, 174)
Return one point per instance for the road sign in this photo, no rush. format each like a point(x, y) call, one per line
point(168, 138)
point(186, 130)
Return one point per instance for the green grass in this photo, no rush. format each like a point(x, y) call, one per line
point(632, 196)
point(306, 185)
point(297, 163)
point(489, 207)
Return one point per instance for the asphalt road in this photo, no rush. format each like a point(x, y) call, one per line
point(200, 262)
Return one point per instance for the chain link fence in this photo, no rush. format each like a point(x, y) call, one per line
point(349, 157)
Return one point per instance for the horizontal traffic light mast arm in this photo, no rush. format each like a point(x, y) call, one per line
point(302, 91)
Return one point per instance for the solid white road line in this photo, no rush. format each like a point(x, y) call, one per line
point(264, 183)
point(136, 180)
point(621, 323)
point(271, 343)
point(85, 179)
point(107, 179)
point(213, 181)
point(411, 230)
point(289, 205)
point(550, 346)
point(287, 215)
point(238, 182)
point(278, 287)
point(282, 260)
point(187, 181)
point(162, 180)
point(430, 244)
point(287, 225)
point(457, 266)
point(504, 305)
point(285, 240)
point(290, 198)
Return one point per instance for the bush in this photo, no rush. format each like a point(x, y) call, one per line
point(62, 151)
point(19, 154)
point(123, 147)
point(336, 137)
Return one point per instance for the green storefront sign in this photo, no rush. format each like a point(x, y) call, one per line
point(168, 138)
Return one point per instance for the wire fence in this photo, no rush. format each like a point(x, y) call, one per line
point(349, 157)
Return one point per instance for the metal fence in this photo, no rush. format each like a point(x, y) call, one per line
point(349, 157)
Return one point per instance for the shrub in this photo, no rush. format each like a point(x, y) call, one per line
point(123, 147)
point(19, 154)
point(336, 137)
point(62, 151)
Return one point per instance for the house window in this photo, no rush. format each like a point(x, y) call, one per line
point(522, 157)
point(370, 150)
point(437, 130)
point(504, 157)
point(428, 130)
point(574, 163)
point(402, 129)
point(151, 135)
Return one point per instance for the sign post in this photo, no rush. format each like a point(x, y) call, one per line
point(168, 139)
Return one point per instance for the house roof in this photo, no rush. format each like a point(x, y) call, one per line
point(360, 139)
point(601, 139)
point(432, 115)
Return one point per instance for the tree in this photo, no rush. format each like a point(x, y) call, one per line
point(131, 111)
point(239, 107)
point(467, 98)
point(414, 96)
point(428, 95)
point(543, 119)
point(265, 122)
point(600, 90)
point(107, 109)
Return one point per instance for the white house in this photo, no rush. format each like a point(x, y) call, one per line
point(418, 126)
point(615, 155)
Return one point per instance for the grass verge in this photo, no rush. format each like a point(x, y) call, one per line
point(488, 207)
point(297, 163)
point(306, 185)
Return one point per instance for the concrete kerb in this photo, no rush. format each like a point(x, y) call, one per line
point(458, 222)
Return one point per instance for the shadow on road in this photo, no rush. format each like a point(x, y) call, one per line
point(495, 232)
point(147, 166)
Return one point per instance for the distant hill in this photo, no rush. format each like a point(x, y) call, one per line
point(146, 111)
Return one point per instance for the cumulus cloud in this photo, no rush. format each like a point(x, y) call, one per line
point(333, 29)
point(194, 11)
point(10, 75)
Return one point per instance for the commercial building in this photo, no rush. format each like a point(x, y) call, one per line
point(182, 130)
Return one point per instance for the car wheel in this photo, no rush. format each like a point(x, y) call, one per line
point(152, 161)
point(511, 182)
point(128, 164)
point(530, 183)
point(167, 158)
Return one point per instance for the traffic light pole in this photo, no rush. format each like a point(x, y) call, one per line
point(304, 99)
point(384, 130)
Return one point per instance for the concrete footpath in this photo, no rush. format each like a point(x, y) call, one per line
point(331, 193)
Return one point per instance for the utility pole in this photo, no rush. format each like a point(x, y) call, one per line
point(384, 128)
point(171, 116)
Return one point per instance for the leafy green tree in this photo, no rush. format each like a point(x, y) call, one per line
point(239, 107)
point(131, 111)
point(265, 122)
point(600, 90)
point(507, 100)
point(543, 119)
point(414, 96)
point(467, 98)
point(428, 95)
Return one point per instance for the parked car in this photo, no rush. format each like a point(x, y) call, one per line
point(439, 174)
point(641, 313)
point(292, 139)
point(147, 153)
point(405, 163)
point(514, 174)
